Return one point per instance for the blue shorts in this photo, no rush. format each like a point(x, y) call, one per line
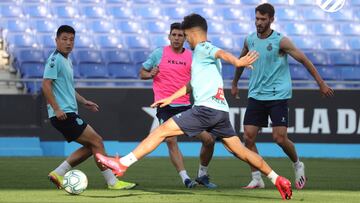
point(164, 113)
point(258, 112)
point(200, 118)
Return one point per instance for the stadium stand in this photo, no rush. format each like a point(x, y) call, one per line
point(115, 36)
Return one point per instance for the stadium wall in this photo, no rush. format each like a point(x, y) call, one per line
point(320, 127)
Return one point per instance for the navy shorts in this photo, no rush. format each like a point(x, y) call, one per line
point(71, 128)
point(164, 113)
point(258, 112)
point(200, 118)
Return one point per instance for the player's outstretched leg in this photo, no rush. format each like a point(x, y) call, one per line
point(234, 145)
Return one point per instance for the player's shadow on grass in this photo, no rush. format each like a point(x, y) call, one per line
point(136, 193)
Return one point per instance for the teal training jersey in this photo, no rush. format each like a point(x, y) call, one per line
point(60, 70)
point(270, 79)
point(153, 59)
point(206, 79)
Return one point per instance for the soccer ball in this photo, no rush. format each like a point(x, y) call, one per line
point(75, 182)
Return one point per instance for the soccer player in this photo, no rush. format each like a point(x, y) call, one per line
point(59, 91)
point(170, 67)
point(270, 89)
point(210, 111)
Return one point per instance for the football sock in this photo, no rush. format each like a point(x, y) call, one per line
point(109, 177)
point(128, 160)
point(183, 174)
point(203, 170)
point(63, 168)
point(256, 175)
point(273, 176)
point(297, 163)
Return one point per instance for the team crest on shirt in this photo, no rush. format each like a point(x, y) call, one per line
point(219, 97)
point(269, 47)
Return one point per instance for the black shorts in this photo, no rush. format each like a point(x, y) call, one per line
point(164, 113)
point(258, 112)
point(71, 128)
point(200, 118)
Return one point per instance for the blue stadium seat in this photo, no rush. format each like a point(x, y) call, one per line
point(159, 41)
point(46, 40)
point(244, 14)
point(323, 28)
point(224, 42)
point(116, 56)
point(306, 42)
point(250, 2)
point(292, 61)
point(78, 25)
point(119, 12)
point(228, 71)
point(318, 58)
point(93, 70)
point(333, 43)
point(128, 71)
point(330, 73)
point(21, 41)
point(225, 2)
point(32, 70)
point(76, 72)
point(93, 11)
point(241, 28)
point(37, 11)
point(157, 27)
point(354, 43)
point(88, 56)
point(29, 55)
point(314, 13)
point(128, 26)
point(282, 14)
point(44, 25)
point(16, 25)
point(196, 1)
point(347, 58)
point(168, 1)
point(83, 41)
point(65, 11)
point(344, 14)
point(206, 12)
point(305, 3)
point(137, 42)
point(279, 2)
point(295, 28)
point(10, 10)
point(101, 26)
point(216, 28)
point(175, 13)
point(299, 73)
point(350, 28)
point(138, 57)
point(33, 87)
point(109, 41)
point(350, 73)
point(146, 12)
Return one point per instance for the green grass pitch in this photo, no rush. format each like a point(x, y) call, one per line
point(329, 180)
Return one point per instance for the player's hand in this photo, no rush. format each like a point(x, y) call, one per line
point(91, 106)
point(325, 90)
point(235, 90)
point(154, 71)
point(248, 59)
point(60, 115)
point(161, 103)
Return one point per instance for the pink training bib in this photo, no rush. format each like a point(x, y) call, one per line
point(174, 73)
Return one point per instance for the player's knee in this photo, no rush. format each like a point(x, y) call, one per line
point(280, 139)
point(97, 142)
point(249, 139)
point(208, 142)
point(171, 141)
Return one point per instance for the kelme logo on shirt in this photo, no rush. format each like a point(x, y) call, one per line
point(79, 121)
point(269, 47)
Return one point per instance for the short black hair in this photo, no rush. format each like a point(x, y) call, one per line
point(194, 20)
point(65, 28)
point(176, 26)
point(266, 8)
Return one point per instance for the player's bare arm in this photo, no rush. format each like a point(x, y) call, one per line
point(87, 104)
point(186, 89)
point(244, 61)
point(148, 74)
point(288, 47)
point(50, 98)
point(238, 73)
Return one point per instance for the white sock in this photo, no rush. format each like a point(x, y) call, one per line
point(256, 175)
point(128, 160)
point(273, 176)
point(63, 168)
point(109, 177)
point(203, 170)
point(183, 174)
point(297, 163)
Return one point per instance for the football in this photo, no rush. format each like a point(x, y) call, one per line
point(75, 182)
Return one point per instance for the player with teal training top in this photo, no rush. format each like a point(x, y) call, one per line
point(210, 111)
point(270, 89)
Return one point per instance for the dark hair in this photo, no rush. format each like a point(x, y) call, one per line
point(194, 20)
point(266, 8)
point(176, 26)
point(65, 28)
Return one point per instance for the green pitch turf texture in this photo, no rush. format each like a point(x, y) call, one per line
point(329, 180)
